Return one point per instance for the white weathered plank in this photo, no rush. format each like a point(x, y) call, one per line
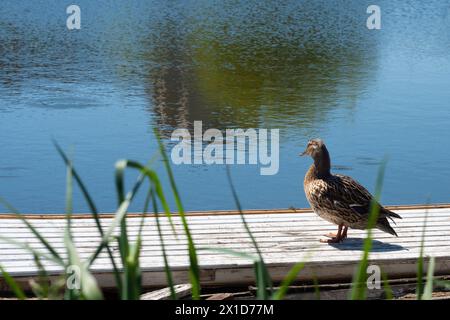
point(214, 219)
point(181, 290)
point(284, 238)
point(223, 228)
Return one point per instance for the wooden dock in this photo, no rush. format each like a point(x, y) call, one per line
point(284, 236)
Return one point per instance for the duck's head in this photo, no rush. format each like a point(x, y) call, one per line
point(316, 149)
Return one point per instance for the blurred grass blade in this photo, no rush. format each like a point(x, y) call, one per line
point(145, 172)
point(420, 271)
point(261, 280)
point(258, 267)
point(123, 208)
point(18, 292)
point(71, 293)
point(443, 283)
point(88, 284)
point(80, 183)
point(387, 288)
point(167, 270)
point(358, 291)
point(428, 291)
point(93, 209)
point(263, 272)
point(173, 185)
point(194, 270)
point(69, 194)
point(130, 253)
point(132, 272)
point(238, 205)
point(281, 292)
point(41, 287)
point(316, 287)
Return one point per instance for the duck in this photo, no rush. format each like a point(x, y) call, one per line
point(339, 199)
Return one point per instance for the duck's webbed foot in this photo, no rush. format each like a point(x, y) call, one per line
point(332, 240)
point(331, 235)
point(336, 237)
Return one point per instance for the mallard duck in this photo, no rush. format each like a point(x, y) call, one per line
point(339, 199)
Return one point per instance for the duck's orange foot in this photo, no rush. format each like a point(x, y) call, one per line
point(331, 235)
point(332, 240)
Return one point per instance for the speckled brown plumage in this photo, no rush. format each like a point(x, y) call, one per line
point(337, 198)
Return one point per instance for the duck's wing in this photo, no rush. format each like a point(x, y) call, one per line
point(344, 197)
point(349, 194)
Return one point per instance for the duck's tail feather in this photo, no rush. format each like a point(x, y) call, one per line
point(385, 213)
point(383, 225)
point(392, 214)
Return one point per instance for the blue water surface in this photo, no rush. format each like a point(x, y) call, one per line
point(308, 68)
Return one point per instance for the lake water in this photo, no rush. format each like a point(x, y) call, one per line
point(308, 68)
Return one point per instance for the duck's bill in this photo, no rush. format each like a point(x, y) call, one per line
point(303, 154)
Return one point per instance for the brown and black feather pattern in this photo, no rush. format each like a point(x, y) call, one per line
point(340, 199)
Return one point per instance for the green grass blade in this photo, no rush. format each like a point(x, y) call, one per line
point(154, 180)
point(258, 267)
point(261, 280)
point(144, 211)
point(93, 209)
point(194, 270)
point(428, 291)
point(239, 207)
point(173, 185)
point(123, 208)
point(69, 194)
point(387, 288)
point(264, 272)
point(80, 183)
point(167, 270)
point(107, 236)
point(89, 288)
point(316, 287)
point(124, 246)
point(281, 292)
point(41, 287)
point(14, 286)
point(71, 293)
point(134, 271)
point(358, 291)
point(420, 271)
point(443, 283)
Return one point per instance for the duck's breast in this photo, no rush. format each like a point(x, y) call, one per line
point(317, 193)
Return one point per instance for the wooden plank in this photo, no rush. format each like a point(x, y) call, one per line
point(221, 296)
point(156, 263)
point(285, 227)
point(38, 216)
point(181, 291)
point(306, 219)
point(213, 218)
point(289, 242)
point(284, 237)
point(284, 244)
